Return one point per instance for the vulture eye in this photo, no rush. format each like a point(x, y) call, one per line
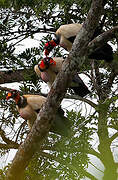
point(11, 94)
point(52, 62)
point(49, 61)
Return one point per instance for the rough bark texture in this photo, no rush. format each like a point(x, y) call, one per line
point(43, 123)
point(102, 38)
point(13, 76)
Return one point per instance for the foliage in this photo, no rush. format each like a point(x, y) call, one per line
point(66, 158)
point(22, 20)
point(63, 158)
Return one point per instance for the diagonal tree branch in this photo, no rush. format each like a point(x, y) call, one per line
point(110, 81)
point(39, 30)
point(113, 137)
point(13, 76)
point(81, 99)
point(44, 120)
point(107, 87)
point(94, 153)
point(101, 39)
point(9, 143)
point(90, 176)
point(9, 146)
point(4, 88)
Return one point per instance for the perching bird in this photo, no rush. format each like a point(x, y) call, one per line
point(65, 36)
point(48, 69)
point(29, 105)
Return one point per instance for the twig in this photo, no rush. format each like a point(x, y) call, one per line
point(81, 99)
point(113, 137)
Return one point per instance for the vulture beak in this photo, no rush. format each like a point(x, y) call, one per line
point(8, 95)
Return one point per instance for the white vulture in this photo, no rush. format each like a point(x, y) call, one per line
point(48, 69)
point(65, 36)
point(29, 105)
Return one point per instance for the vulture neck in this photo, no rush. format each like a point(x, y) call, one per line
point(21, 101)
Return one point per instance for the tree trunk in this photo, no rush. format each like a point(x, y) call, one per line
point(43, 123)
point(110, 172)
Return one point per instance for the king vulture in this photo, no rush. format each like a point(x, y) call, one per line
point(29, 105)
point(65, 36)
point(48, 69)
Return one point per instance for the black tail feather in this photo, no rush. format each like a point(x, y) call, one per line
point(79, 87)
point(106, 51)
point(103, 53)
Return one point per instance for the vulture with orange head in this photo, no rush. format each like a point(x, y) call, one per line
point(65, 36)
point(48, 69)
point(29, 106)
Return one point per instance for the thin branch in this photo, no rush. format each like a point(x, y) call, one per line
point(93, 75)
point(110, 81)
point(76, 97)
point(96, 167)
point(9, 146)
point(102, 39)
point(113, 137)
point(39, 30)
point(90, 176)
point(5, 88)
point(16, 37)
point(94, 153)
point(13, 76)
point(88, 75)
point(7, 140)
point(98, 80)
point(115, 127)
point(21, 126)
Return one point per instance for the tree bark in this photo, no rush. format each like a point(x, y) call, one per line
point(13, 76)
point(44, 120)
